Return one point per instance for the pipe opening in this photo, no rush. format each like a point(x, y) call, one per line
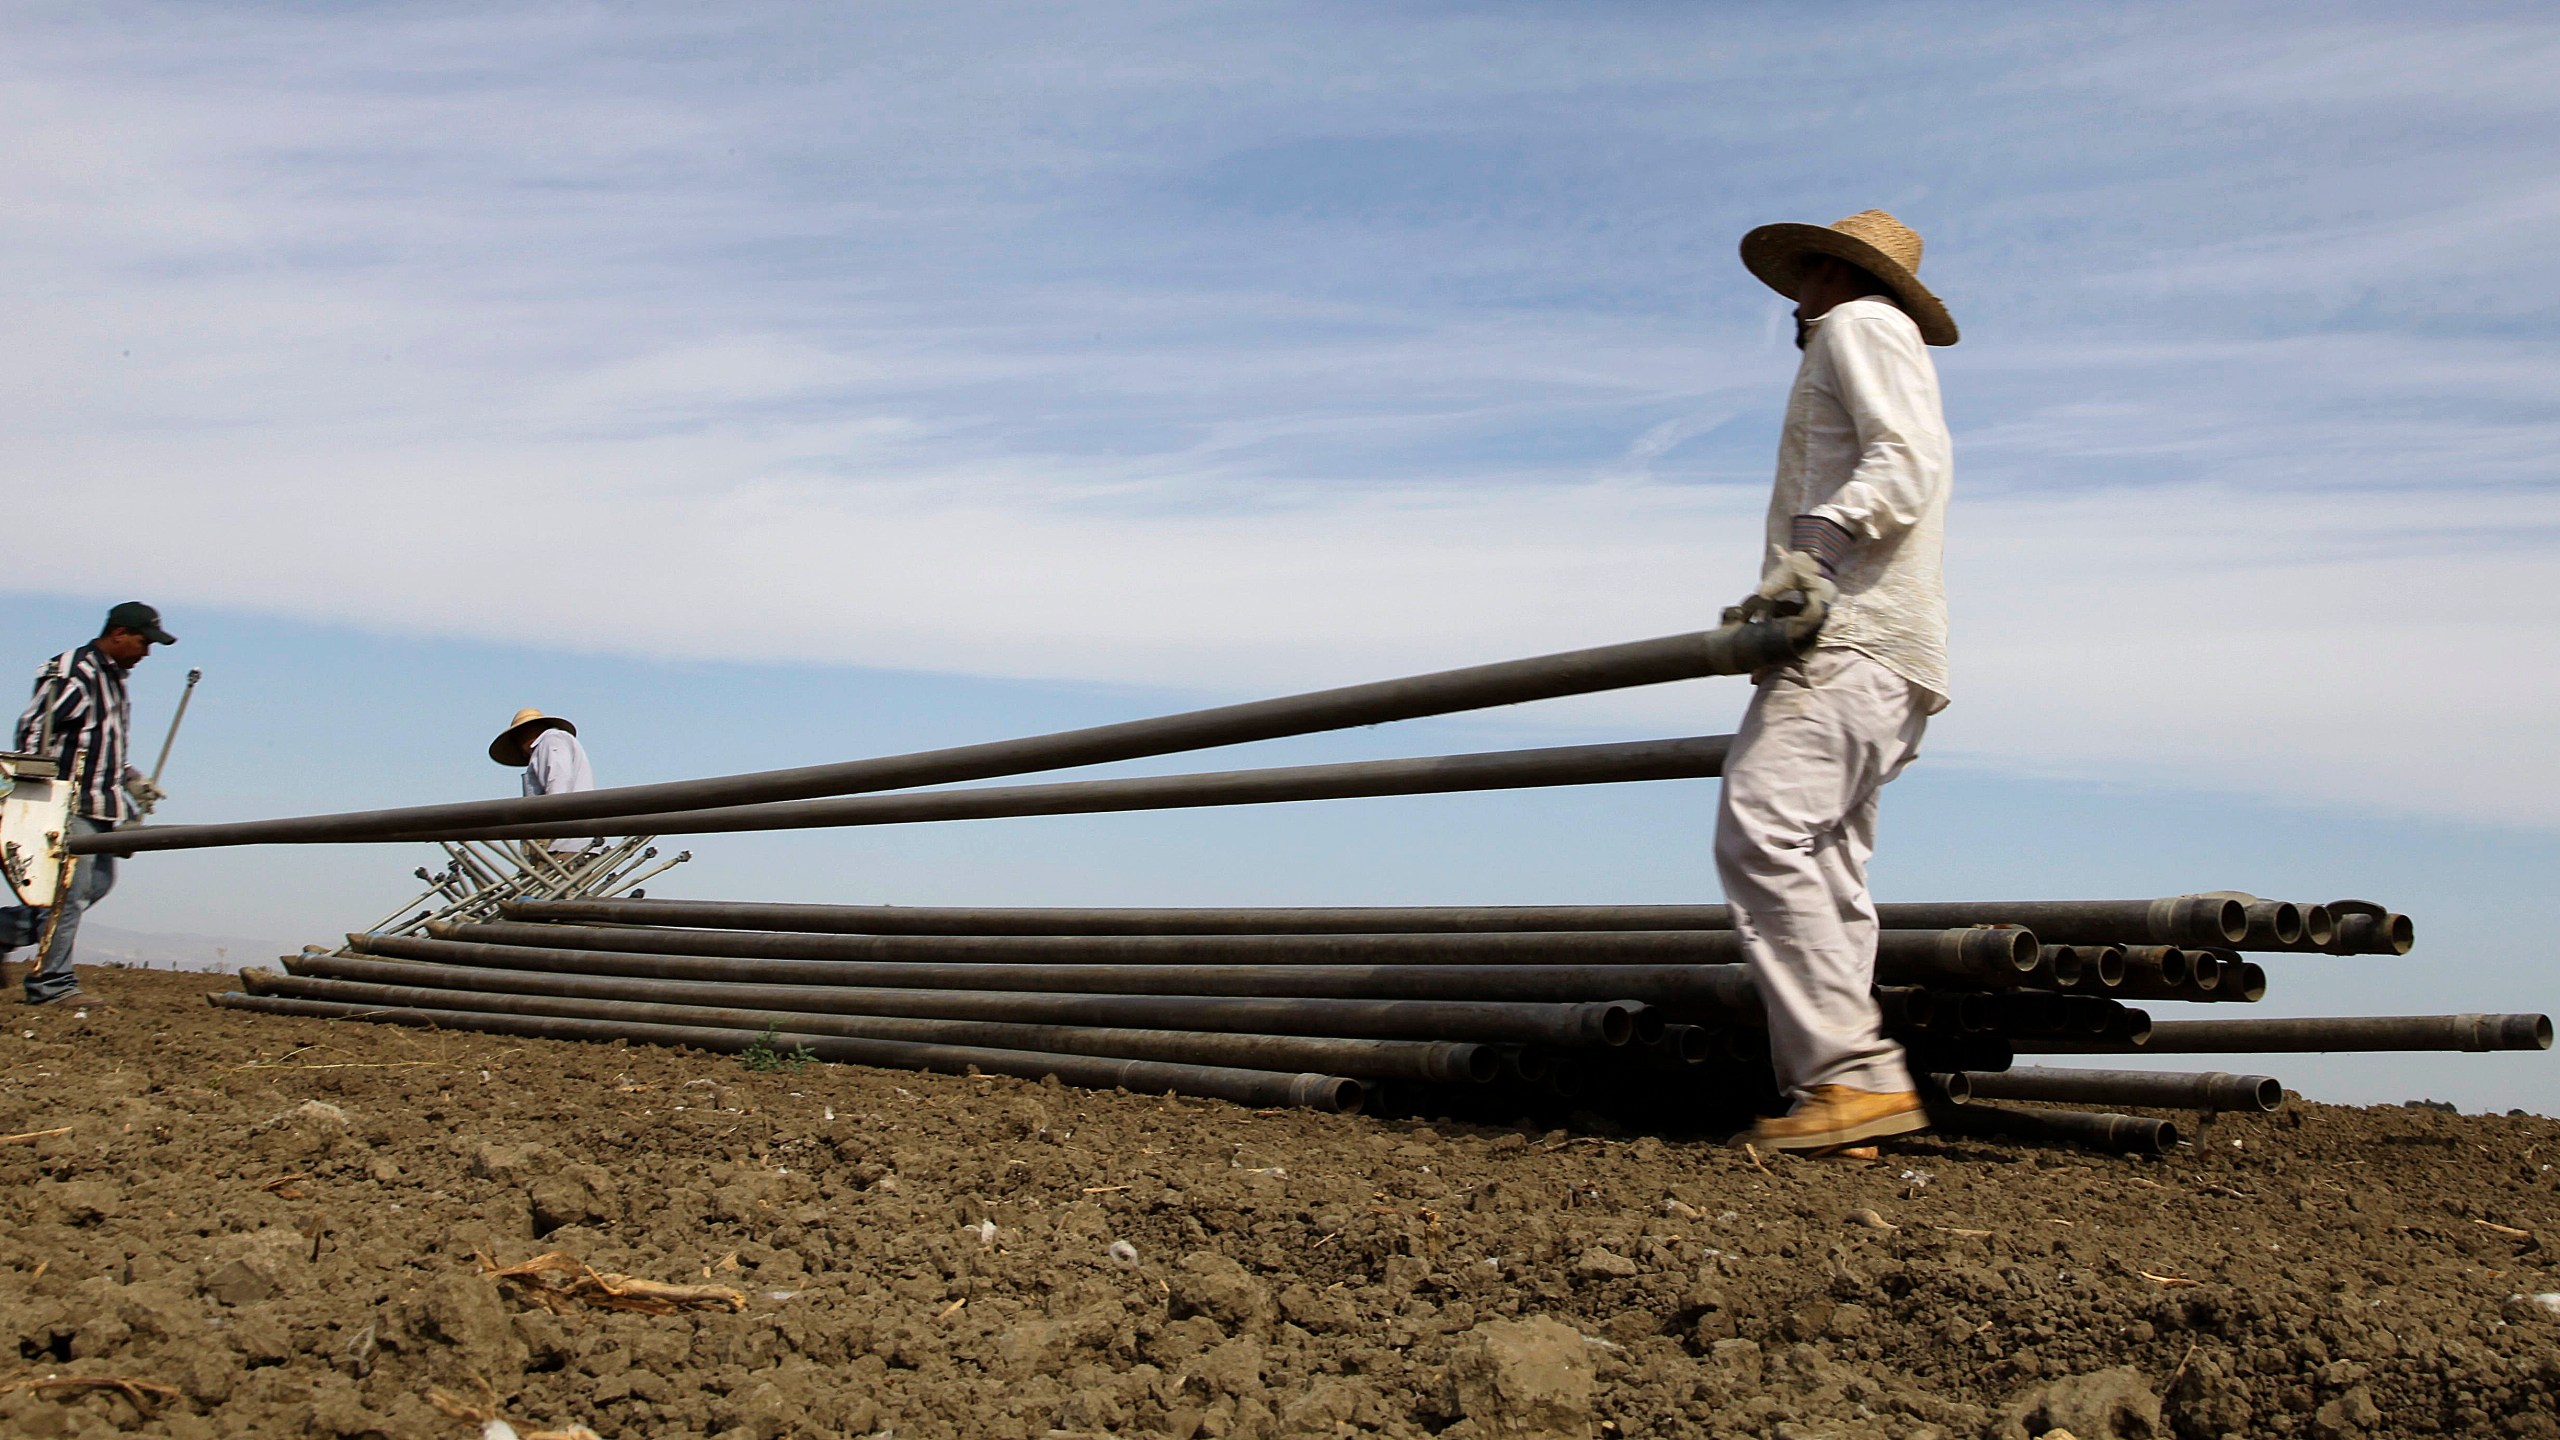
point(2248, 981)
point(2174, 968)
point(2068, 969)
point(2024, 952)
point(1618, 1024)
point(1481, 1063)
point(2319, 926)
point(2204, 970)
point(2286, 919)
point(2232, 918)
point(2110, 967)
point(2270, 1093)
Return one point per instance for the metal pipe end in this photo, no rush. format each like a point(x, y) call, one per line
point(2068, 968)
point(1693, 1044)
point(2227, 917)
point(2021, 948)
point(2175, 966)
point(2205, 969)
point(2136, 1029)
point(2247, 982)
point(1477, 1064)
point(1530, 1063)
point(1975, 1012)
point(1650, 1025)
point(2526, 1032)
point(2269, 1093)
point(1618, 1021)
point(1957, 1086)
point(2109, 969)
point(254, 978)
point(2319, 927)
point(2399, 933)
point(2284, 921)
point(1328, 1092)
point(2163, 1137)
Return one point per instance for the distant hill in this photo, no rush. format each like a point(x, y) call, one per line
point(108, 945)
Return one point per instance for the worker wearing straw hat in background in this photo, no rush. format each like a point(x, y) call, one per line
point(1856, 522)
point(553, 760)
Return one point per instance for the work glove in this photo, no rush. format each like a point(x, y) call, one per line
point(145, 795)
point(1795, 573)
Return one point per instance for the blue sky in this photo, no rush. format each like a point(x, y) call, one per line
point(784, 384)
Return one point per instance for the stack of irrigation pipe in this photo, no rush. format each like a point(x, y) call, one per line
point(1625, 1006)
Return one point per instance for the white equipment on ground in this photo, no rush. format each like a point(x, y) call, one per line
point(35, 811)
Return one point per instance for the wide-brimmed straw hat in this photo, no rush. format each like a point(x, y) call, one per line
point(1871, 240)
point(514, 745)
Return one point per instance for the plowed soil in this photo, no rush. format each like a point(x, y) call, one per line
point(285, 1222)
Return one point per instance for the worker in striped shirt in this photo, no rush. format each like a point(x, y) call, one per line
point(81, 719)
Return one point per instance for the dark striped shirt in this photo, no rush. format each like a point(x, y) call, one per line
point(83, 691)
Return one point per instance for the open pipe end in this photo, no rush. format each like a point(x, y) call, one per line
point(2247, 981)
point(1328, 1092)
point(2269, 1094)
point(2205, 969)
point(1694, 1044)
point(2231, 918)
point(2526, 1032)
point(2319, 926)
point(1475, 1064)
point(1650, 1025)
point(2136, 1029)
point(1618, 1022)
point(2163, 1138)
point(1955, 1084)
point(2109, 968)
point(2284, 920)
point(2399, 933)
point(2175, 967)
point(2019, 945)
point(2066, 968)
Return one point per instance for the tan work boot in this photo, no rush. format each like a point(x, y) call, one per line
point(1836, 1115)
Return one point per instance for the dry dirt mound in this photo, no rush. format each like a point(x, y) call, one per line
point(279, 1219)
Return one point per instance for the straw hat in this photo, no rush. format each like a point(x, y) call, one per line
point(1871, 240)
point(513, 747)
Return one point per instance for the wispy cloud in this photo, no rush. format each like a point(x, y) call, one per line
point(1246, 351)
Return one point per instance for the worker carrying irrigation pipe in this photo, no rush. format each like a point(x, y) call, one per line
point(1856, 523)
point(554, 763)
point(81, 719)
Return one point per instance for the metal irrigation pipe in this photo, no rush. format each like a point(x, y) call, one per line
point(1151, 1077)
point(2124, 1134)
point(1698, 757)
point(2328, 1032)
point(2167, 1089)
point(2176, 920)
point(1985, 956)
point(1712, 988)
point(1436, 1060)
point(1558, 1026)
point(1732, 650)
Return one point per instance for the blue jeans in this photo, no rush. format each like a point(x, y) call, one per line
point(91, 879)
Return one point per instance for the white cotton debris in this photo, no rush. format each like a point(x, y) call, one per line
point(986, 1234)
point(2550, 1301)
point(1917, 1178)
point(1124, 1252)
point(497, 1430)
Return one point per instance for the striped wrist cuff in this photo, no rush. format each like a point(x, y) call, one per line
point(1827, 541)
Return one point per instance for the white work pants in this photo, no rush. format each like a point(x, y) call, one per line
point(1793, 835)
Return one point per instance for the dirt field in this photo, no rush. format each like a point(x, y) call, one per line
point(279, 1219)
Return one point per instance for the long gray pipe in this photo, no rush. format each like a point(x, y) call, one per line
point(2173, 920)
point(2166, 1089)
point(2321, 1033)
point(1434, 1060)
point(1148, 1077)
point(1987, 956)
point(1560, 1026)
point(1732, 650)
point(1697, 757)
point(1712, 988)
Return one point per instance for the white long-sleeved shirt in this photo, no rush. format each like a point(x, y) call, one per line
point(556, 764)
point(1865, 446)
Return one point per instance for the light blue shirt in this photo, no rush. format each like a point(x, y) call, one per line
point(556, 764)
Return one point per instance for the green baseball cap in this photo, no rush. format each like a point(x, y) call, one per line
point(142, 620)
